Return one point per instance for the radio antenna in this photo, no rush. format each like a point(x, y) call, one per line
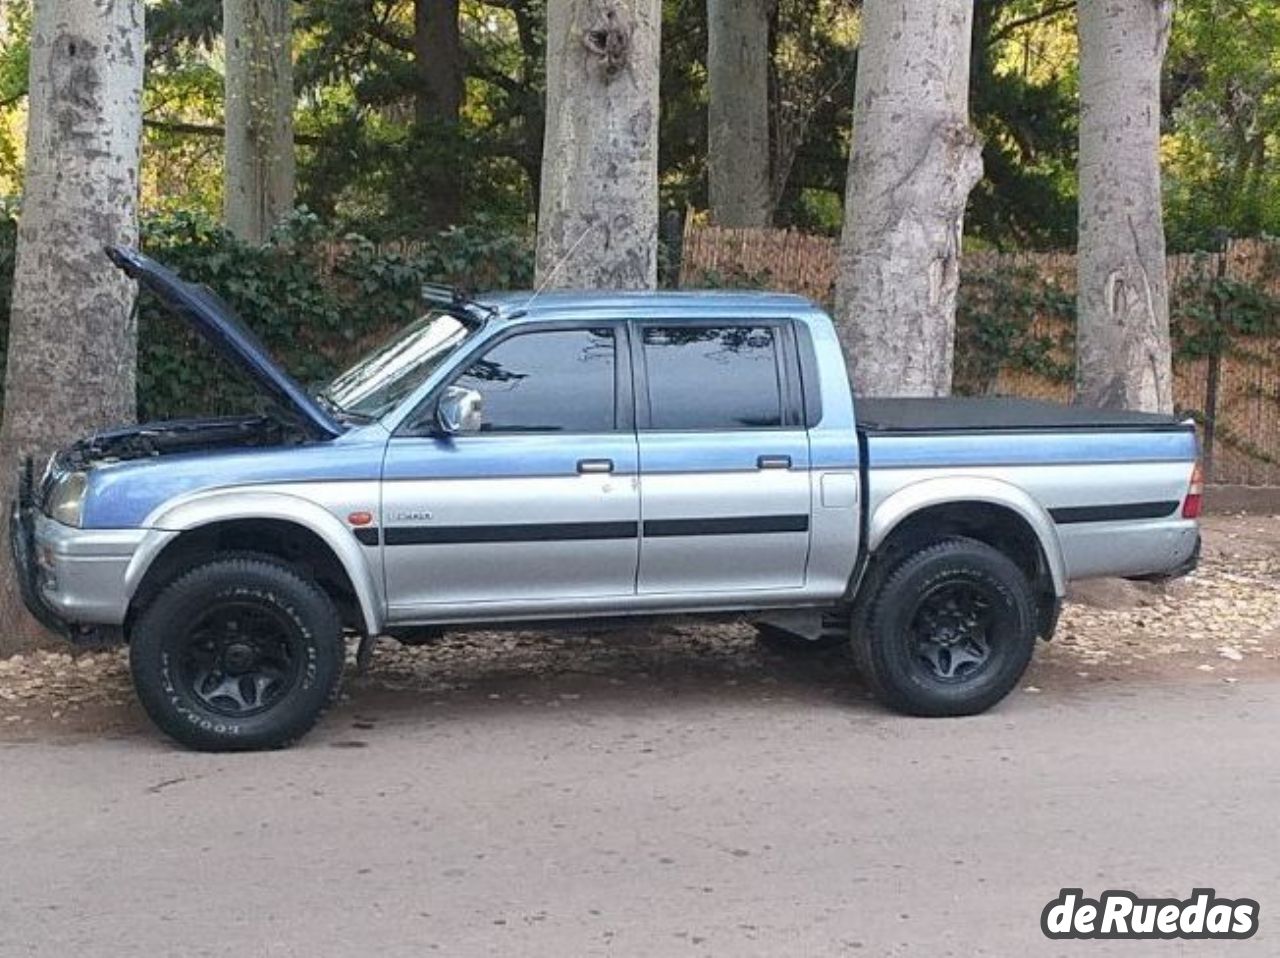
point(560, 265)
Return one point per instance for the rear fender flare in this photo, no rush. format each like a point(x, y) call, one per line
point(957, 490)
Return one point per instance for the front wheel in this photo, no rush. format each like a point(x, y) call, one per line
point(948, 630)
point(238, 654)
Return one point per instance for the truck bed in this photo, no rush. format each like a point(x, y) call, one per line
point(958, 414)
point(1111, 483)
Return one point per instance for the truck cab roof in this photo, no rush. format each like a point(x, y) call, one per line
point(663, 304)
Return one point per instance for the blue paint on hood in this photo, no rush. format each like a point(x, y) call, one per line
point(218, 324)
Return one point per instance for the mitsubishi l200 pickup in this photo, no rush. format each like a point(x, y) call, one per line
point(573, 455)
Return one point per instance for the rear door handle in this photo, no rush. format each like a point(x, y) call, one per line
point(773, 462)
point(595, 465)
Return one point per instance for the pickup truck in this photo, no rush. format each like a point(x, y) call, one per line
point(569, 456)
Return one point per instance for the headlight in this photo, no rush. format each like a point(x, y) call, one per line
point(66, 498)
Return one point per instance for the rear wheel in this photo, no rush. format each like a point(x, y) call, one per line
point(238, 654)
point(947, 630)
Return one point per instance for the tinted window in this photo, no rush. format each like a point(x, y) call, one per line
point(701, 377)
point(557, 381)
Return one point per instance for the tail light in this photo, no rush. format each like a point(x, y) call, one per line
point(1195, 494)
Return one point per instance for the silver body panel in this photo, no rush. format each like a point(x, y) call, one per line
point(1129, 549)
point(1073, 550)
point(420, 576)
point(719, 482)
point(662, 532)
point(83, 573)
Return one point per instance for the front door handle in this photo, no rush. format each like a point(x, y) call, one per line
point(773, 462)
point(595, 465)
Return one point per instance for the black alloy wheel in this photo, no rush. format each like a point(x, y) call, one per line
point(951, 629)
point(241, 657)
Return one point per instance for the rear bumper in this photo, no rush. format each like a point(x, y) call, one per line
point(1140, 549)
point(73, 581)
point(1188, 566)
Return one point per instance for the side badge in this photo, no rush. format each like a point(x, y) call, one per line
point(419, 516)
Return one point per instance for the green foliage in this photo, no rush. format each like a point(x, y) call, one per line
point(372, 164)
point(1215, 315)
point(276, 289)
point(1023, 102)
point(1222, 108)
point(15, 62)
point(1009, 318)
point(15, 51)
point(682, 130)
point(369, 162)
point(315, 300)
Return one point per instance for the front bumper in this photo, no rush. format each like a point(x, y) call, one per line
point(72, 580)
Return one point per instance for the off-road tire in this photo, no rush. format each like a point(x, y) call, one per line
point(882, 639)
point(159, 640)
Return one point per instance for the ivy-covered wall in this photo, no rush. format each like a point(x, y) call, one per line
point(316, 300)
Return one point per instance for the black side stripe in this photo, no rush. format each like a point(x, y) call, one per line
point(729, 526)
point(520, 532)
point(583, 531)
point(719, 526)
point(1113, 513)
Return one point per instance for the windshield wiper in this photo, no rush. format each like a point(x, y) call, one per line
point(322, 397)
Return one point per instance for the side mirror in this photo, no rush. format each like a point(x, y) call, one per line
point(460, 411)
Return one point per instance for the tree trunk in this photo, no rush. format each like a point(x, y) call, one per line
point(72, 337)
point(437, 54)
point(913, 162)
point(1123, 356)
point(738, 112)
point(598, 213)
point(260, 170)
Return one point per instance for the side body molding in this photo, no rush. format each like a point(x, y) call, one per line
point(202, 509)
point(949, 490)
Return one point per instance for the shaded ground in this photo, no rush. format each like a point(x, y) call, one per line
point(1220, 625)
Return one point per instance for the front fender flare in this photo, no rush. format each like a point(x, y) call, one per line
point(956, 490)
point(206, 508)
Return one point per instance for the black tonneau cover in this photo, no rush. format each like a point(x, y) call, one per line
point(965, 414)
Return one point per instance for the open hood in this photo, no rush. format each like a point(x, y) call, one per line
point(216, 322)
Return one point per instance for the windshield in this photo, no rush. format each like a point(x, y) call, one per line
point(380, 381)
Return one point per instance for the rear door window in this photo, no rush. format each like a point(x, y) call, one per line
point(713, 377)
